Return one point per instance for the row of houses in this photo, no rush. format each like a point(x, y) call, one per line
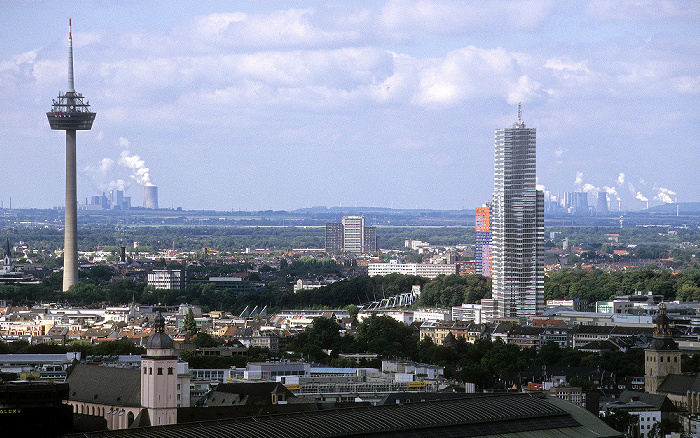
point(582, 337)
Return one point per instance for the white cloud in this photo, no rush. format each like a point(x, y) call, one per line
point(621, 179)
point(399, 17)
point(472, 72)
point(291, 28)
point(627, 10)
point(568, 68)
point(642, 197)
point(579, 178)
point(687, 84)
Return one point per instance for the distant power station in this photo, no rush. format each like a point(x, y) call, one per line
point(602, 204)
point(70, 113)
point(150, 197)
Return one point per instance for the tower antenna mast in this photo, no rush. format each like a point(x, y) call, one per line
point(70, 113)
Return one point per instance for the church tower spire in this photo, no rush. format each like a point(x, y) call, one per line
point(159, 376)
point(663, 357)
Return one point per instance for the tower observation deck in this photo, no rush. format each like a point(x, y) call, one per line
point(70, 113)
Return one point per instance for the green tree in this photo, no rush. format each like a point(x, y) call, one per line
point(622, 421)
point(387, 337)
point(204, 340)
point(190, 324)
point(664, 427)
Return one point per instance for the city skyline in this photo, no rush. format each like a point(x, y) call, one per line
point(282, 105)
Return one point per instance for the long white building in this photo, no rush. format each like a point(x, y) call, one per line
point(428, 270)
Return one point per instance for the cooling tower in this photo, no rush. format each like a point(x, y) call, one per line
point(150, 197)
point(602, 204)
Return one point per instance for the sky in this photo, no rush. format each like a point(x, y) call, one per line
point(250, 105)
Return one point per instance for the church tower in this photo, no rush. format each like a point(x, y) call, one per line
point(663, 357)
point(159, 377)
point(7, 260)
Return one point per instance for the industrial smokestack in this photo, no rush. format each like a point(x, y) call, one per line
point(150, 197)
point(122, 254)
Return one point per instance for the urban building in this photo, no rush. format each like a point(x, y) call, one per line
point(482, 249)
point(371, 244)
point(167, 279)
point(517, 224)
point(159, 377)
point(351, 235)
point(148, 394)
point(354, 234)
point(428, 270)
point(334, 238)
point(662, 364)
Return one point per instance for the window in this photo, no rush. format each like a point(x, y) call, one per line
point(150, 370)
point(160, 371)
point(144, 370)
point(170, 370)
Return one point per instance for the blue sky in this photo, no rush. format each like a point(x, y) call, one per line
point(249, 105)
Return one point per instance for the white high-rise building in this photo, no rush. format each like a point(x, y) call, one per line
point(517, 225)
point(354, 234)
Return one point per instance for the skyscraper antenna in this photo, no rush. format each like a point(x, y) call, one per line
point(71, 83)
point(519, 124)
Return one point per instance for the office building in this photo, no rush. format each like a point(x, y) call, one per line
point(371, 239)
point(517, 224)
point(334, 238)
point(427, 270)
point(482, 249)
point(352, 236)
point(172, 279)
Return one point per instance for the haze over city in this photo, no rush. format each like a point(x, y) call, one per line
point(284, 104)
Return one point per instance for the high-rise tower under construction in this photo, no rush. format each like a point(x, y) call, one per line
point(517, 224)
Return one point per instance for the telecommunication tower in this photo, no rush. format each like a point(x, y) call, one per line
point(70, 113)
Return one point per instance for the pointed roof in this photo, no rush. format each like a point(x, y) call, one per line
point(663, 339)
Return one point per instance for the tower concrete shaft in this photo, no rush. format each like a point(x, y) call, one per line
point(70, 113)
point(70, 238)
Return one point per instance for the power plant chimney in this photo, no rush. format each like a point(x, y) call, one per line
point(70, 113)
point(150, 197)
